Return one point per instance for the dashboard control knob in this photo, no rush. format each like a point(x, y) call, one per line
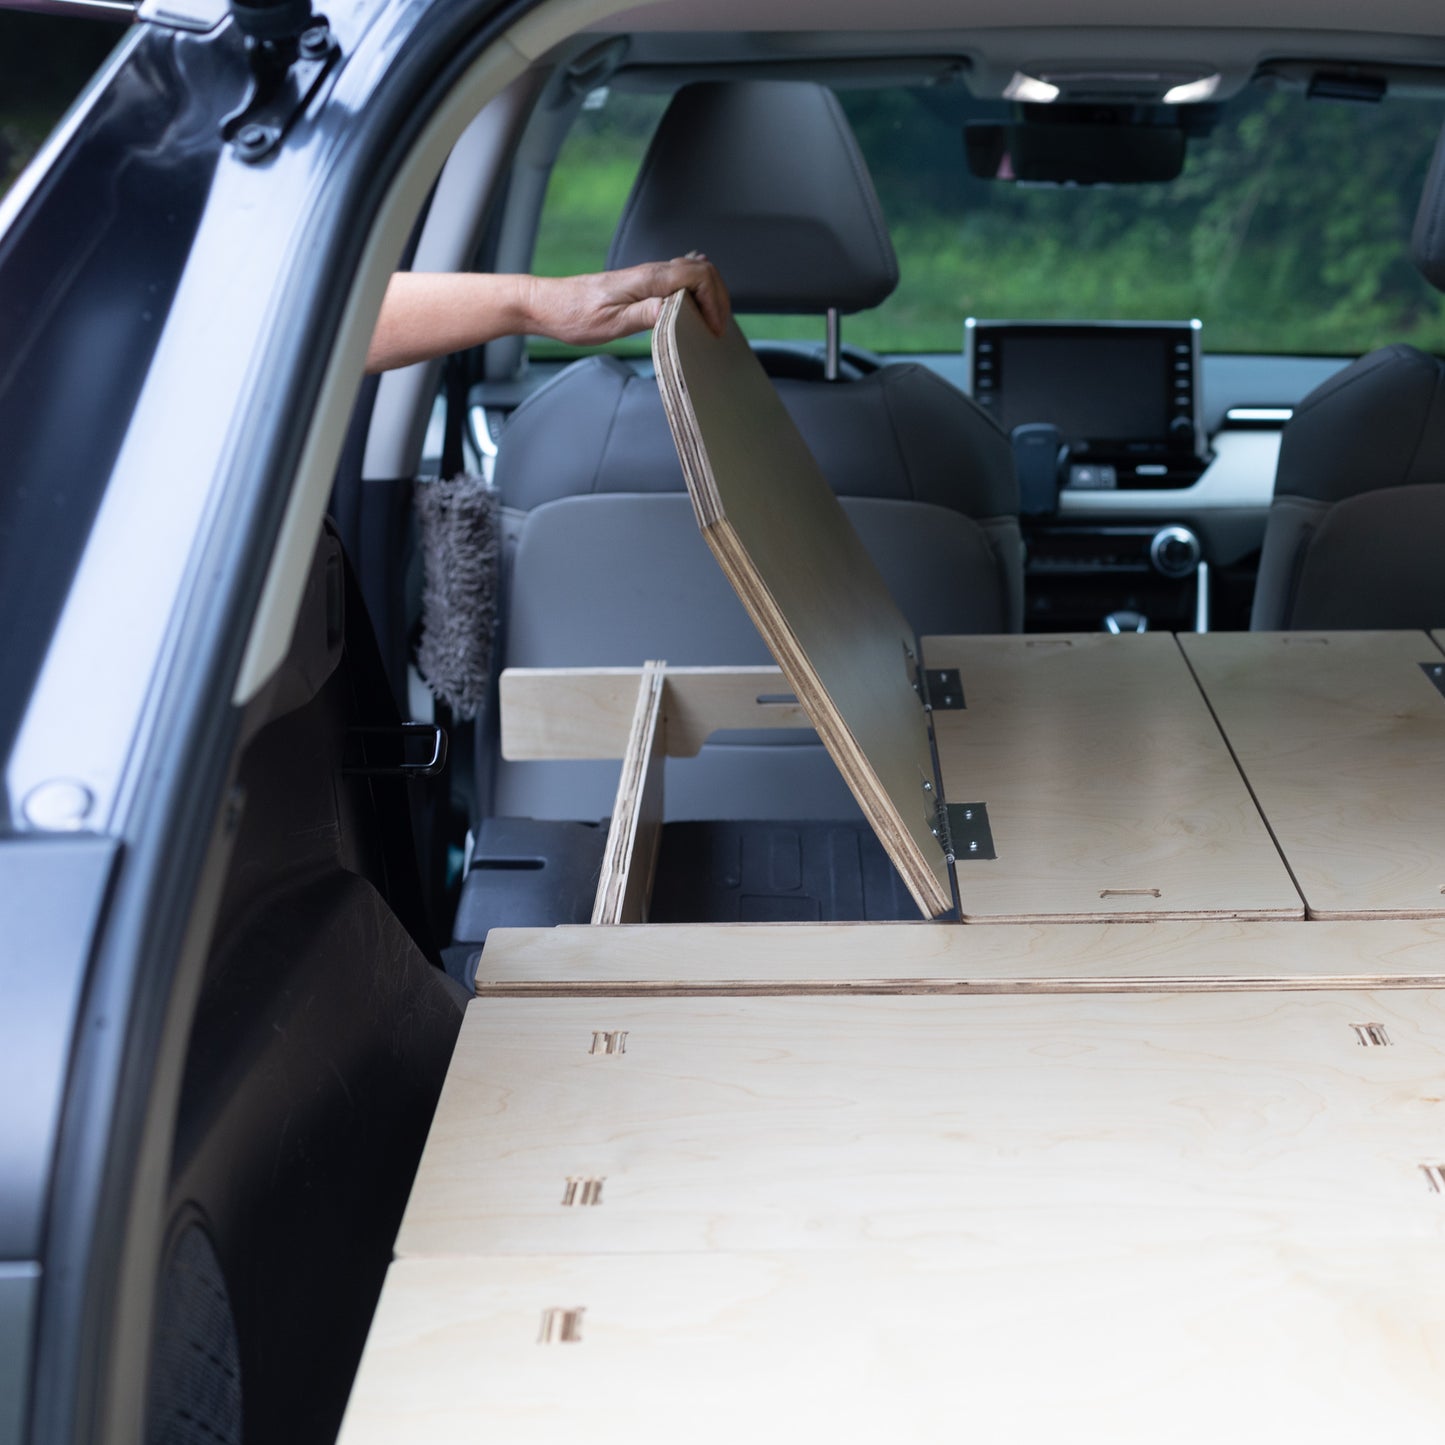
point(1175, 551)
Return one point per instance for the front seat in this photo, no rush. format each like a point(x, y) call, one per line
point(608, 567)
point(1357, 525)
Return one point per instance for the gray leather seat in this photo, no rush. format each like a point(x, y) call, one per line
point(1357, 526)
point(608, 567)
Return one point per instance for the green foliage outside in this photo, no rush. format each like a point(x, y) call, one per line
point(45, 61)
point(1287, 232)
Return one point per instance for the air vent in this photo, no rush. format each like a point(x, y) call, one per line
point(561, 1327)
point(609, 1043)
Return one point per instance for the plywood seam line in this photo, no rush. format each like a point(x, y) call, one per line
point(1239, 768)
point(964, 987)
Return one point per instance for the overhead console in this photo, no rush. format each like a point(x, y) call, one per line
point(1122, 400)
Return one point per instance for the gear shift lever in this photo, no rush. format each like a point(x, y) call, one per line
point(1126, 620)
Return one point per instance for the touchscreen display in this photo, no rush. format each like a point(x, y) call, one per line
point(1096, 384)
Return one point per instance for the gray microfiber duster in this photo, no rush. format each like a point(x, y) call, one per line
point(460, 533)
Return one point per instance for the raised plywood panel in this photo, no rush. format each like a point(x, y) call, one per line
point(747, 1124)
point(1342, 739)
point(1110, 792)
point(885, 958)
point(793, 557)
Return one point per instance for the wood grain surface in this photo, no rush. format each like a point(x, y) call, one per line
point(1118, 1219)
point(780, 1124)
point(565, 712)
point(1110, 792)
point(808, 958)
point(791, 553)
point(1342, 739)
point(1257, 1342)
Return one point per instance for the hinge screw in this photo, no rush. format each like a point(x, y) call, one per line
point(253, 139)
point(315, 43)
point(928, 787)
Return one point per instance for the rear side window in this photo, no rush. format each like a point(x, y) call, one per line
point(45, 61)
point(588, 188)
point(1287, 232)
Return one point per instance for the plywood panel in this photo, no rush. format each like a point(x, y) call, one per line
point(1254, 1343)
point(564, 712)
point(1342, 738)
point(984, 958)
point(937, 1123)
point(792, 555)
point(1110, 792)
point(624, 889)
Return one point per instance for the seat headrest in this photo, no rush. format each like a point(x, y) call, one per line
point(1427, 240)
point(765, 178)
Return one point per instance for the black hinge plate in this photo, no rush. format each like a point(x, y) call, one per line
point(1435, 671)
point(969, 835)
point(945, 688)
point(281, 88)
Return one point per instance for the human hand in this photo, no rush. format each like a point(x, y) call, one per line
point(592, 310)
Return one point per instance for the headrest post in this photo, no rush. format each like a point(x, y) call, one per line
point(834, 346)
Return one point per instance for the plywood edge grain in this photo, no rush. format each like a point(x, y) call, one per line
point(772, 959)
point(624, 889)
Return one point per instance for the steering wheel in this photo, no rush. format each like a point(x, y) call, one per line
point(806, 363)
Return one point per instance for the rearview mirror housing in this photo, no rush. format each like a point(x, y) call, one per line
point(1084, 153)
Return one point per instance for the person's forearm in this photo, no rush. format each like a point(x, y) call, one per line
point(428, 315)
point(425, 315)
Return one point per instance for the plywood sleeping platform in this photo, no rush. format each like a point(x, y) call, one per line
point(1110, 792)
point(854, 1218)
point(1156, 1158)
point(1342, 739)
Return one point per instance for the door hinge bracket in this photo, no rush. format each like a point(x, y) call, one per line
point(289, 57)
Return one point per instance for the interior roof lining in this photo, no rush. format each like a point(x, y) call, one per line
point(992, 55)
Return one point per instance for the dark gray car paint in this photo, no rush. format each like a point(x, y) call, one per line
point(51, 894)
point(19, 1288)
point(314, 203)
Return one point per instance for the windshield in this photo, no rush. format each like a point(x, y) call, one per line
point(1287, 231)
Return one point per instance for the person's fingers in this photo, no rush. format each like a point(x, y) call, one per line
point(639, 316)
point(701, 278)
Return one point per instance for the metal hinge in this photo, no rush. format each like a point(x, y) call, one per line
point(286, 71)
point(962, 831)
point(1435, 671)
point(943, 689)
